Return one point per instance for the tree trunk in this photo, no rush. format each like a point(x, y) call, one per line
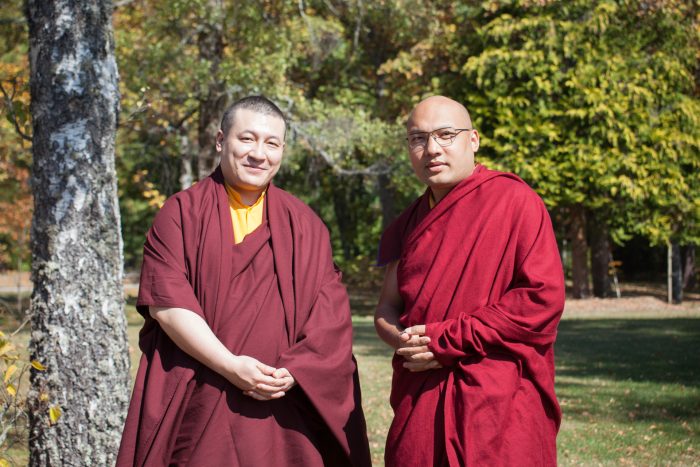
point(186, 158)
point(669, 272)
point(579, 253)
point(600, 258)
point(345, 215)
point(689, 268)
point(78, 323)
point(210, 42)
point(210, 111)
point(387, 196)
point(677, 273)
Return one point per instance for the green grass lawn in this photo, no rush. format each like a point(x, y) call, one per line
point(629, 386)
point(629, 390)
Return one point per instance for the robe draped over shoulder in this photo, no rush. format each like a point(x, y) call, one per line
point(482, 271)
point(281, 278)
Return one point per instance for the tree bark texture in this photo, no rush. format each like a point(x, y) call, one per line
point(600, 260)
point(186, 159)
point(210, 42)
point(346, 215)
point(210, 111)
point(579, 253)
point(689, 279)
point(677, 275)
point(387, 196)
point(78, 323)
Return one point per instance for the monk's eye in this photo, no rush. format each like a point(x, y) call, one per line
point(273, 144)
point(445, 135)
point(417, 139)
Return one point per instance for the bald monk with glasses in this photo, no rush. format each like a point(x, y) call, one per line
point(472, 296)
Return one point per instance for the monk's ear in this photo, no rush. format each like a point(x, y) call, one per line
point(474, 140)
point(219, 141)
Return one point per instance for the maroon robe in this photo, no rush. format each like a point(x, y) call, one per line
point(482, 271)
point(276, 297)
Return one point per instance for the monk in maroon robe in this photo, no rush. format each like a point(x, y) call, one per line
point(471, 300)
point(246, 346)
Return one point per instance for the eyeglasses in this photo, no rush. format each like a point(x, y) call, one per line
point(442, 136)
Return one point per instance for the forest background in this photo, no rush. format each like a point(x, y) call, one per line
point(593, 103)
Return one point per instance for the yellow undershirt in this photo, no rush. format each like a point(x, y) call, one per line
point(245, 219)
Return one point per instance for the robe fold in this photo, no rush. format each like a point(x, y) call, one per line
point(276, 297)
point(482, 270)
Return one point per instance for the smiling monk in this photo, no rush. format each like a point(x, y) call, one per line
point(247, 340)
point(472, 296)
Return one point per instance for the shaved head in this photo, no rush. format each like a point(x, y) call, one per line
point(435, 105)
point(442, 143)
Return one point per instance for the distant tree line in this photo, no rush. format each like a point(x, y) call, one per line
point(594, 103)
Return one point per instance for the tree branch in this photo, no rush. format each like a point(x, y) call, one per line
point(11, 113)
point(375, 169)
point(122, 3)
point(13, 21)
point(379, 168)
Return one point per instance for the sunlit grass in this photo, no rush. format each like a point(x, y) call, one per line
point(629, 390)
point(629, 387)
point(374, 362)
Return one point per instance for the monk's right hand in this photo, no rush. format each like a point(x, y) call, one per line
point(414, 349)
point(254, 378)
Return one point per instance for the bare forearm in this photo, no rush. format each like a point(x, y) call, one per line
point(386, 322)
point(386, 316)
point(192, 334)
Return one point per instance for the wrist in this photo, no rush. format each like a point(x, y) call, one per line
point(229, 364)
point(397, 342)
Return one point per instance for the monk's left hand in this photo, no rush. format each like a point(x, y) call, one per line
point(284, 382)
point(414, 349)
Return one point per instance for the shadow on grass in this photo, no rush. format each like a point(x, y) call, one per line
point(638, 350)
point(653, 350)
point(367, 342)
point(625, 404)
point(630, 371)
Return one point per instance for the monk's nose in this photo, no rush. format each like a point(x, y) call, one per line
point(432, 146)
point(258, 151)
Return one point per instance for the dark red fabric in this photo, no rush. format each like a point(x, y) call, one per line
point(282, 278)
point(482, 270)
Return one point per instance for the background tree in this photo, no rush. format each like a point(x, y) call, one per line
point(78, 323)
point(594, 104)
point(15, 147)
point(182, 62)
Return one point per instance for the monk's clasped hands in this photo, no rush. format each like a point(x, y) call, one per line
point(413, 347)
point(259, 381)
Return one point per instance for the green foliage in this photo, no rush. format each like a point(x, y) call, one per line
point(14, 407)
point(15, 151)
point(594, 104)
point(317, 61)
point(175, 59)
